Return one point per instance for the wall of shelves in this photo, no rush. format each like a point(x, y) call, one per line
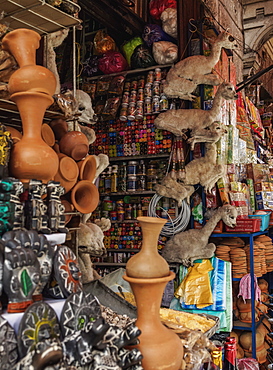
point(36, 15)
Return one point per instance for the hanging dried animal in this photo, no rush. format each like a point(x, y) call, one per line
point(172, 188)
point(186, 75)
point(210, 134)
point(187, 246)
point(204, 171)
point(178, 121)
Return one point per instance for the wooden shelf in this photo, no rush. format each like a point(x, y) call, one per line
point(36, 15)
point(9, 114)
point(143, 192)
point(138, 157)
point(129, 72)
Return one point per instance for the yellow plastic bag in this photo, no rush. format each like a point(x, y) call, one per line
point(195, 287)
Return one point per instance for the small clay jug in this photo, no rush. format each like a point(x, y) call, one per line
point(22, 44)
point(74, 144)
point(87, 168)
point(59, 127)
point(67, 174)
point(148, 263)
point(85, 196)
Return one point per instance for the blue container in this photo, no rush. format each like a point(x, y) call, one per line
point(265, 220)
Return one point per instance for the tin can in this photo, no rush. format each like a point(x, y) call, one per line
point(139, 110)
point(157, 74)
point(127, 86)
point(163, 103)
point(141, 82)
point(150, 77)
point(125, 97)
point(132, 168)
point(133, 85)
point(131, 111)
point(133, 96)
point(140, 95)
point(155, 105)
point(156, 89)
point(121, 215)
point(148, 90)
point(123, 112)
point(131, 183)
point(148, 106)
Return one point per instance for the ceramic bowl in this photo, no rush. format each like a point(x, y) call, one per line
point(68, 172)
point(85, 196)
point(68, 207)
point(87, 168)
point(59, 127)
point(48, 134)
point(74, 144)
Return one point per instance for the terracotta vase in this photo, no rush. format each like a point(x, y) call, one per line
point(31, 157)
point(161, 347)
point(22, 44)
point(74, 144)
point(148, 263)
point(87, 168)
point(68, 208)
point(85, 196)
point(67, 174)
point(59, 127)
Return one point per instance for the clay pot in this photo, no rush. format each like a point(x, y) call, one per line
point(31, 157)
point(59, 127)
point(67, 173)
point(161, 347)
point(68, 207)
point(74, 144)
point(85, 196)
point(22, 44)
point(15, 134)
point(87, 168)
point(148, 263)
point(48, 134)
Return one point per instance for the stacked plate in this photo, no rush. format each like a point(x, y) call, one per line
point(222, 252)
point(239, 262)
point(267, 242)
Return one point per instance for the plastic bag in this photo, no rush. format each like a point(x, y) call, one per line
point(156, 7)
point(247, 364)
point(103, 42)
point(112, 62)
point(153, 33)
point(129, 47)
point(165, 52)
point(90, 66)
point(142, 57)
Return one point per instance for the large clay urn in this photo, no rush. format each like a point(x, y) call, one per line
point(32, 88)
point(148, 263)
point(31, 157)
point(161, 347)
point(148, 275)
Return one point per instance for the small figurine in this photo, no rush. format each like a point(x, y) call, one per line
point(35, 209)
point(78, 310)
point(5, 147)
point(55, 209)
point(6, 206)
point(39, 325)
point(9, 346)
point(44, 253)
point(21, 276)
point(67, 271)
point(2, 248)
point(18, 222)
